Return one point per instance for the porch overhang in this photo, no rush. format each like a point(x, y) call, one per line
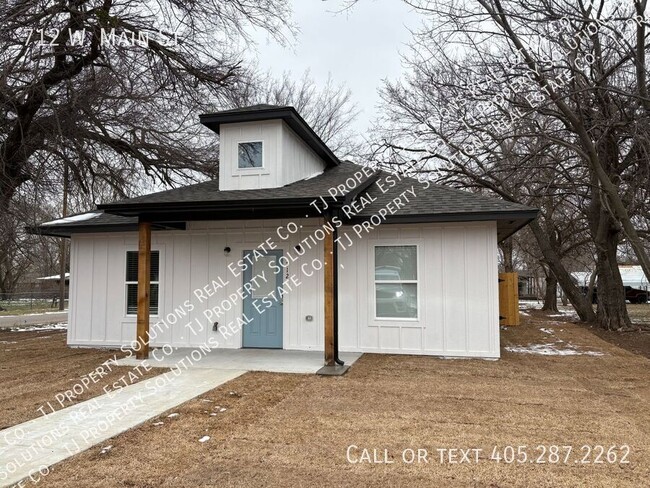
point(508, 223)
point(240, 210)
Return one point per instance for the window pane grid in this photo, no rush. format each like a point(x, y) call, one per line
point(396, 282)
point(131, 282)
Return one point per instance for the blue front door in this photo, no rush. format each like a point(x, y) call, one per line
point(262, 303)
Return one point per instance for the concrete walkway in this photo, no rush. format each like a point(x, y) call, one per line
point(272, 360)
point(42, 442)
point(33, 319)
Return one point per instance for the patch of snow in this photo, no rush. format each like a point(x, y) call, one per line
point(205, 438)
point(8, 342)
point(35, 328)
point(530, 304)
point(563, 313)
point(74, 218)
point(206, 400)
point(35, 314)
point(313, 176)
point(105, 449)
point(172, 415)
point(552, 350)
point(546, 331)
point(521, 312)
point(222, 409)
point(213, 415)
point(159, 423)
point(53, 277)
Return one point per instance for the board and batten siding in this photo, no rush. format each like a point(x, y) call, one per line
point(457, 288)
point(457, 292)
point(189, 260)
point(286, 158)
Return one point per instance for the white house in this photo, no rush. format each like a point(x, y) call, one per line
point(290, 248)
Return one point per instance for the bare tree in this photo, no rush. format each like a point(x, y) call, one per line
point(552, 93)
point(110, 90)
point(22, 254)
point(328, 109)
point(113, 86)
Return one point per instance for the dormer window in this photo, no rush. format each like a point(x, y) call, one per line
point(250, 155)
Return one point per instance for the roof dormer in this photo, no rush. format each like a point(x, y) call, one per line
point(266, 146)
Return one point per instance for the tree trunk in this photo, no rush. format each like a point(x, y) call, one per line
point(550, 295)
point(506, 247)
point(606, 231)
point(592, 286)
point(612, 310)
point(575, 296)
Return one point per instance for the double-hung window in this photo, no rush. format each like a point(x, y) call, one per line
point(396, 282)
point(132, 282)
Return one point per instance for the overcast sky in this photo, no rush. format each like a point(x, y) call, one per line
point(359, 47)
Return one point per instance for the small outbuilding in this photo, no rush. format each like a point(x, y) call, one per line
point(290, 248)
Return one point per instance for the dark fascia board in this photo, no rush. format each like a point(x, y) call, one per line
point(134, 209)
point(519, 218)
point(288, 114)
point(527, 215)
point(68, 230)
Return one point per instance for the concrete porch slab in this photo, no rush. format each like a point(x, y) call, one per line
point(336, 370)
point(270, 360)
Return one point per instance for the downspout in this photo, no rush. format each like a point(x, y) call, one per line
point(335, 260)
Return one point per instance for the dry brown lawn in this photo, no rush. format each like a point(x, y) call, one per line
point(35, 367)
point(294, 430)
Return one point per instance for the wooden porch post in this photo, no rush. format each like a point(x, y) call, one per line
point(329, 299)
point(144, 288)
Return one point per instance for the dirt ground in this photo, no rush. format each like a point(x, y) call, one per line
point(637, 341)
point(296, 430)
point(37, 366)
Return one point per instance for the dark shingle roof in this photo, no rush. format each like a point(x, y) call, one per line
point(209, 191)
point(97, 221)
point(433, 199)
point(252, 108)
point(435, 203)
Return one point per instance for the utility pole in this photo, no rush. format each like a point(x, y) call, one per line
point(63, 244)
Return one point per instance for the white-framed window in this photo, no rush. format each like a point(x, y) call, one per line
point(250, 155)
point(396, 282)
point(132, 282)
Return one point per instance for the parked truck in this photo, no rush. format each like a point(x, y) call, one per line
point(633, 295)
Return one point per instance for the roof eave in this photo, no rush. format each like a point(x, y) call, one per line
point(136, 209)
point(288, 114)
point(67, 230)
point(530, 215)
point(517, 219)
